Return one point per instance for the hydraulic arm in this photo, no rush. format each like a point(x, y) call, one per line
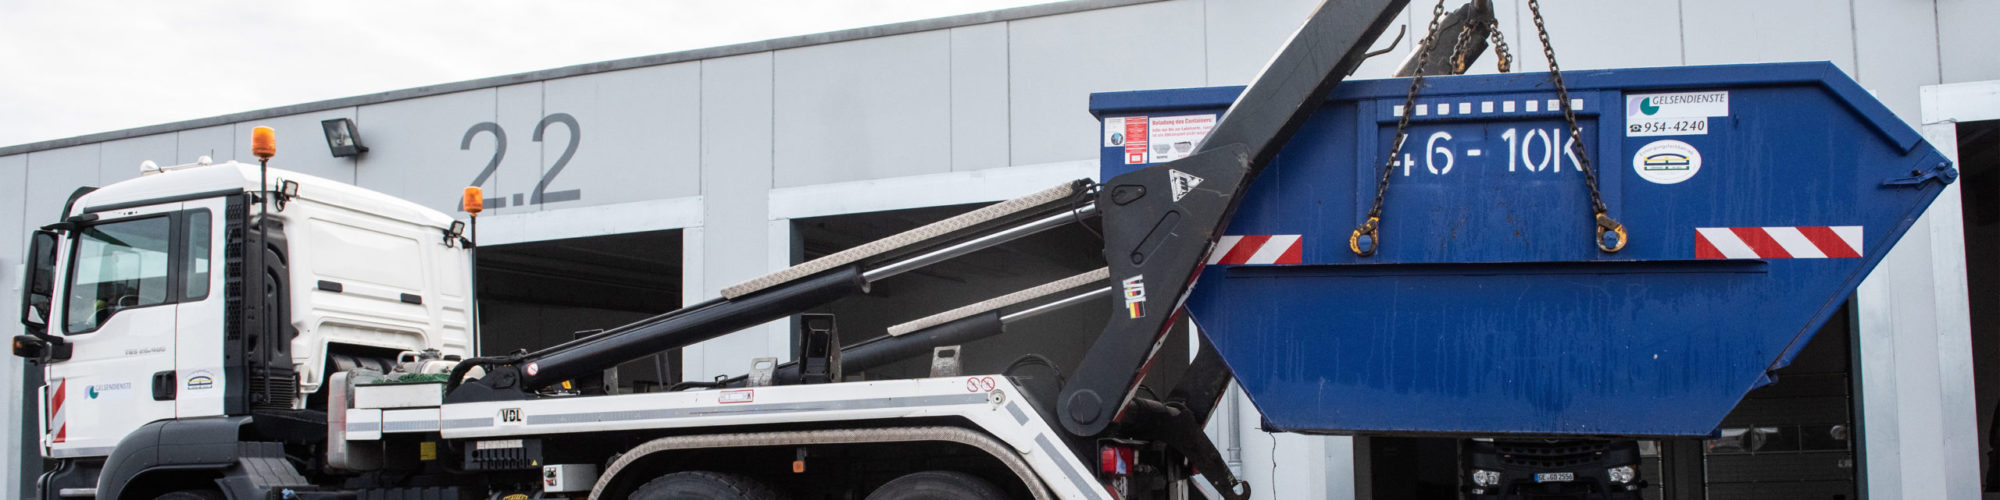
point(1159, 224)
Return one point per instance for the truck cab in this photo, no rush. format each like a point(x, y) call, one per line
point(150, 301)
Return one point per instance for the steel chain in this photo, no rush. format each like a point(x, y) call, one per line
point(1605, 224)
point(1458, 53)
point(1500, 51)
point(1370, 229)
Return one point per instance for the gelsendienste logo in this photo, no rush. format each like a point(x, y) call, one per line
point(1685, 104)
point(95, 391)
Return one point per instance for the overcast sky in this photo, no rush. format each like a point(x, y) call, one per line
point(70, 68)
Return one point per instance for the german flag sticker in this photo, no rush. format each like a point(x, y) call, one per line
point(1135, 296)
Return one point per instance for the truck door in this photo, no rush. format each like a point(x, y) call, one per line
point(116, 308)
point(199, 326)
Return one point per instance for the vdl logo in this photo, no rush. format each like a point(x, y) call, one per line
point(1135, 296)
point(510, 415)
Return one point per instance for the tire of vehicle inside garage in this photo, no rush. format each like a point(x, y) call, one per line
point(938, 485)
point(704, 485)
point(191, 495)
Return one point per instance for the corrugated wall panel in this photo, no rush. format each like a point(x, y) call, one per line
point(301, 144)
point(639, 135)
point(1965, 39)
point(414, 147)
point(120, 159)
point(1056, 62)
point(980, 136)
point(866, 109)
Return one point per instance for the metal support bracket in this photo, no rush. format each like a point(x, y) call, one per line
point(944, 361)
point(1943, 173)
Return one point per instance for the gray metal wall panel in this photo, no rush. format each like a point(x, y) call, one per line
point(217, 143)
point(640, 136)
point(1730, 31)
point(302, 144)
point(1889, 41)
point(414, 147)
point(1242, 35)
point(120, 159)
point(17, 441)
point(865, 109)
point(13, 244)
point(1056, 62)
point(55, 174)
point(1965, 36)
point(979, 95)
point(1625, 34)
point(736, 107)
point(518, 110)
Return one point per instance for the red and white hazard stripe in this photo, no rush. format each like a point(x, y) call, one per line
point(1257, 249)
point(58, 419)
point(1783, 242)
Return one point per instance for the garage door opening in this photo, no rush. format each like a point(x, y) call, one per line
point(538, 294)
point(1979, 166)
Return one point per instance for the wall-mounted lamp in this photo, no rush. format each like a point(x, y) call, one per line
point(342, 138)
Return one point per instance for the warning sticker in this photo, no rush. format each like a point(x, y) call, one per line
point(1182, 182)
point(1135, 140)
point(1174, 137)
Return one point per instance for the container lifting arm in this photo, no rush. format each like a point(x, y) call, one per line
point(1160, 222)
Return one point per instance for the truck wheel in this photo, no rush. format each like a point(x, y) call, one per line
point(704, 485)
point(191, 495)
point(938, 485)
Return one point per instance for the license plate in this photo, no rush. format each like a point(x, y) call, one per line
point(1555, 477)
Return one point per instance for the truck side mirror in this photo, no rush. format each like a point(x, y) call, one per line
point(40, 283)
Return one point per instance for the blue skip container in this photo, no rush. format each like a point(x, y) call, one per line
point(1756, 198)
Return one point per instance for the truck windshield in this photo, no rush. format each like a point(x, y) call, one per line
point(120, 265)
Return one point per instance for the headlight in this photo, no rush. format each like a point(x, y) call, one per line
point(1623, 474)
point(1486, 478)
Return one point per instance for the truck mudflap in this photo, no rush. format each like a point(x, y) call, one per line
point(1756, 198)
point(242, 469)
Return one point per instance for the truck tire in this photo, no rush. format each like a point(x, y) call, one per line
point(938, 485)
point(704, 485)
point(191, 495)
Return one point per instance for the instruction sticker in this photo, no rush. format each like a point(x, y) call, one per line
point(1666, 161)
point(1174, 137)
point(1114, 132)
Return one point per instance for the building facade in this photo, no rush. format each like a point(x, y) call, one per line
point(625, 188)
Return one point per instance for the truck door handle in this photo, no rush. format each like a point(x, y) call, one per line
point(163, 385)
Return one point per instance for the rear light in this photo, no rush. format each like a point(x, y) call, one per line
point(1486, 478)
point(1116, 460)
point(1623, 474)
